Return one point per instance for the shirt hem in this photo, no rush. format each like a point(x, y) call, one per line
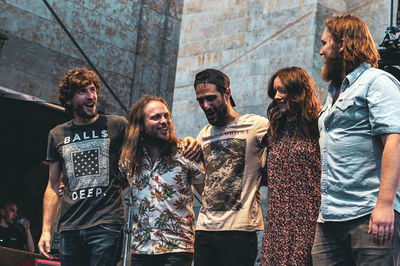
point(168, 252)
point(89, 226)
point(343, 219)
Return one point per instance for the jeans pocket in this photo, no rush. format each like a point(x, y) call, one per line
point(116, 228)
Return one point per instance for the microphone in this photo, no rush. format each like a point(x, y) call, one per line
point(21, 220)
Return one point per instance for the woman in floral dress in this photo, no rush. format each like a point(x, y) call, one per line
point(293, 169)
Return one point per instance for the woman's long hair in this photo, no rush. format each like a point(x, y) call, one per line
point(301, 101)
point(132, 148)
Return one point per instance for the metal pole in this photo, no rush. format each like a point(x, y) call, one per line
point(128, 229)
point(398, 14)
point(84, 55)
point(391, 15)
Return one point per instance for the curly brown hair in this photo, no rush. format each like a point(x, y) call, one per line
point(359, 45)
point(301, 100)
point(73, 80)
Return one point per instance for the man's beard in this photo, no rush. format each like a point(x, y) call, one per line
point(333, 69)
point(154, 140)
point(220, 115)
point(81, 113)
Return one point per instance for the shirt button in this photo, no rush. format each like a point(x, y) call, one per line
point(324, 172)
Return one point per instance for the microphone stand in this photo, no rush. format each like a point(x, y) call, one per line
point(128, 228)
point(390, 45)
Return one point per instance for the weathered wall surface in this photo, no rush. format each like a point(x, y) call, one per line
point(249, 41)
point(133, 44)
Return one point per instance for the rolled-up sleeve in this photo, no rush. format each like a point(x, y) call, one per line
point(383, 99)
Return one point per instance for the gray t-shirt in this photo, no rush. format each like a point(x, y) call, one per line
point(232, 163)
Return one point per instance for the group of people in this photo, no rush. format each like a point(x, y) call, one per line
point(332, 173)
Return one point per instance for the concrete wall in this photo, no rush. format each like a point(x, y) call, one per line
point(133, 44)
point(250, 40)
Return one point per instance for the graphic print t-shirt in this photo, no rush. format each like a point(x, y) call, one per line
point(89, 156)
point(232, 164)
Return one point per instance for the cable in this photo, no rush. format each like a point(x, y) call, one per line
point(84, 55)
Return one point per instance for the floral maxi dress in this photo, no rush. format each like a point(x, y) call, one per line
point(293, 181)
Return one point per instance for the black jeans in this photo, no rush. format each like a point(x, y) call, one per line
point(225, 248)
point(100, 245)
point(168, 259)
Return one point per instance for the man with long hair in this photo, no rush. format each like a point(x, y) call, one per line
point(230, 216)
point(359, 220)
point(83, 154)
point(161, 180)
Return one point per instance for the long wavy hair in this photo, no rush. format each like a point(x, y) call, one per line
point(301, 101)
point(359, 45)
point(132, 148)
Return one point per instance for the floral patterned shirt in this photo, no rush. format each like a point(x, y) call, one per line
point(163, 217)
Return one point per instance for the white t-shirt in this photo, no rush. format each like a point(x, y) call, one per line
point(232, 163)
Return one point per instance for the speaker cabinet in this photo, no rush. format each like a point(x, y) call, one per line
point(40, 262)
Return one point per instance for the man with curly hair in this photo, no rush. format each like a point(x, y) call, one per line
point(359, 219)
point(83, 154)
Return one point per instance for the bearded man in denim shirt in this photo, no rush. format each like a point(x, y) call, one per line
point(359, 220)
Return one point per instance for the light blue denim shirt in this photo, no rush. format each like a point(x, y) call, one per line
point(351, 148)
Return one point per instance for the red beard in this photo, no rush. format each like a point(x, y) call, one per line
point(333, 69)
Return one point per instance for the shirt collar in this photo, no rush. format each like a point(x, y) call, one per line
point(146, 156)
point(349, 79)
point(353, 76)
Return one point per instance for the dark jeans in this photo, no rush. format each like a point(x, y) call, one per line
point(168, 259)
point(225, 248)
point(348, 243)
point(98, 245)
